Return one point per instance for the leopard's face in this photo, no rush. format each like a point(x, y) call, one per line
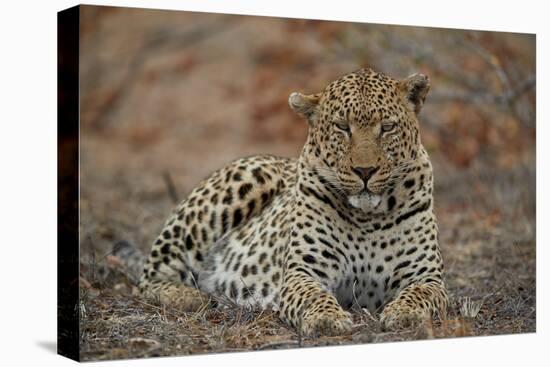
point(363, 133)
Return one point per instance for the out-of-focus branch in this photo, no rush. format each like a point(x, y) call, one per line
point(510, 93)
point(162, 41)
point(481, 97)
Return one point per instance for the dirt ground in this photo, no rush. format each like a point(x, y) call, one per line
point(168, 97)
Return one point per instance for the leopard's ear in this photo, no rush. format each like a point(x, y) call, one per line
point(415, 89)
point(305, 105)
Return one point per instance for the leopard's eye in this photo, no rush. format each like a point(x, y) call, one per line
point(388, 126)
point(344, 127)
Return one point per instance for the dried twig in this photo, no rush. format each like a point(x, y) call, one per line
point(469, 309)
point(170, 187)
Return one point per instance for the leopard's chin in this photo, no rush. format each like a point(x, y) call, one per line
point(365, 201)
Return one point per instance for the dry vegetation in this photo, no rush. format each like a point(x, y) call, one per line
point(167, 97)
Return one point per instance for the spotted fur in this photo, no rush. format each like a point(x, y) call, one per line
point(350, 221)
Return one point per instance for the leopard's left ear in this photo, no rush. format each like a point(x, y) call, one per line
point(415, 89)
point(304, 104)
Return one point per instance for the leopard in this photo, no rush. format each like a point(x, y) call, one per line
point(348, 223)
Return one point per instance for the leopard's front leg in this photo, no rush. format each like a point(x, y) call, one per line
point(310, 308)
point(415, 304)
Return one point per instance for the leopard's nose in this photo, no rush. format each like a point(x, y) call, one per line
point(365, 173)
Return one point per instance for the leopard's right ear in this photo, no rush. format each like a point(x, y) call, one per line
point(415, 88)
point(305, 105)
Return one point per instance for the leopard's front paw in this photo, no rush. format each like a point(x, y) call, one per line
point(327, 322)
point(398, 317)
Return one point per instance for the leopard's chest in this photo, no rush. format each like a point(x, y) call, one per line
point(377, 266)
point(367, 278)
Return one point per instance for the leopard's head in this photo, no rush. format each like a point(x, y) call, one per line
point(363, 132)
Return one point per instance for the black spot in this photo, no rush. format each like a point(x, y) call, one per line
point(420, 257)
point(166, 235)
point(309, 259)
point(328, 255)
point(402, 265)
point(189, 242)
point(319, 273)
point(198, 256)
point(228, 198)
point(411, 250)
point(391, 202)
point(409, 183)
point(237, 217)
point(212, 221)
point(387, 226)
point(320, 230)
point(214, 199)
point(225, 222)
point(257, 173)
point(379, 268)
point(308, 239)
point(165, 249)
point(244, 190)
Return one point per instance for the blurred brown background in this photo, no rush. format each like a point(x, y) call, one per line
point(172, 96)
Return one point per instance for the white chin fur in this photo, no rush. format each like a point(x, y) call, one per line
point(365, 201)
